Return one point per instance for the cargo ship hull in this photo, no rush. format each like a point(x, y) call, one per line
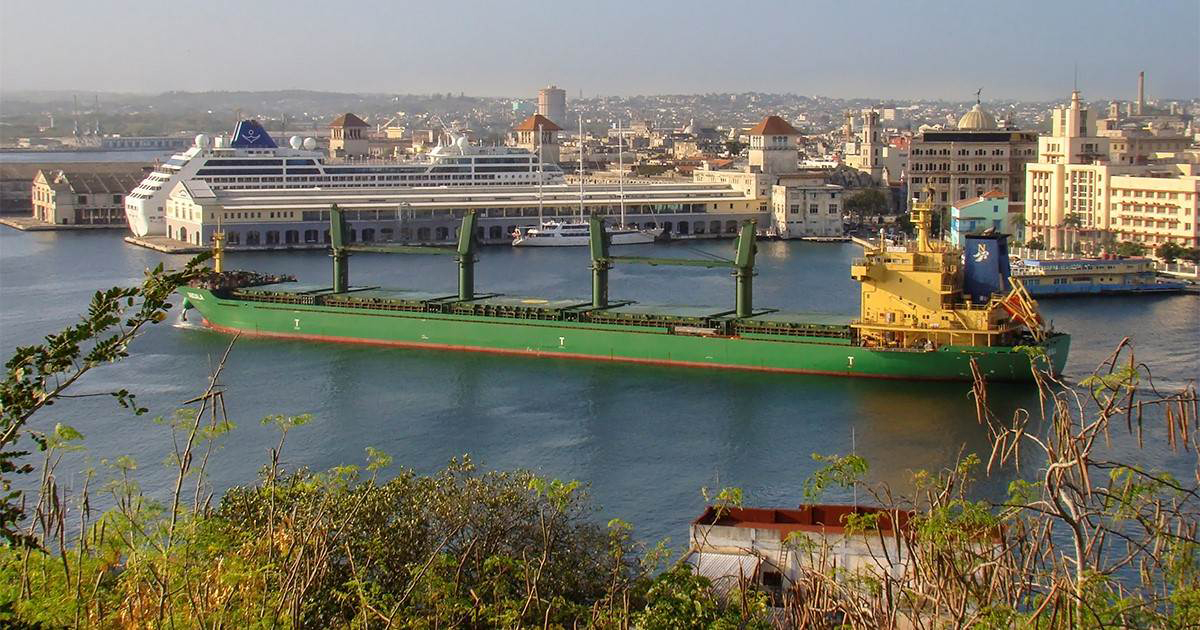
point(546, 332)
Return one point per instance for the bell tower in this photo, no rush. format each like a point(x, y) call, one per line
point(348, 137)
point(774, 146)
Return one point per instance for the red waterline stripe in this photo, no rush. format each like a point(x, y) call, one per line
point(566, 355)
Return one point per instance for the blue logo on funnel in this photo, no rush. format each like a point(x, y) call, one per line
point(250, 135)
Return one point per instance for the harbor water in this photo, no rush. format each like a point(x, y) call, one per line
point(644, 439)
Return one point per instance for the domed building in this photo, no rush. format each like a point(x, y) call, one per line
point(978, 119)
point(976, 157)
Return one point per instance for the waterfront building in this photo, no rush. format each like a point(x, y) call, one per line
point(552, 103)
point(79, 197)
point(1084, 188)
point(988, 211)
point(15, 196)
point(807, 209)
point(300, 218)
point(773, 146)
point(978, 156)
point(787, 195)
point(539, 133)
point(348, 137)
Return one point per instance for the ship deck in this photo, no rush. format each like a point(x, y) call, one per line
point(678, 318)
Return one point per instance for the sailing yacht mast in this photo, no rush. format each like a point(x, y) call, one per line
point(621, 170)
point(581, 168)
point(541, 175)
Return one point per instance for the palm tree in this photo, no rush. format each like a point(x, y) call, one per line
point(1017, 222)
point(1070, 224)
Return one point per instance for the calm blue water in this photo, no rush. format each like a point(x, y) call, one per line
point(646, 439)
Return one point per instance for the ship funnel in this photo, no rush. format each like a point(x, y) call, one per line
point(248, 134)
point(987, 269)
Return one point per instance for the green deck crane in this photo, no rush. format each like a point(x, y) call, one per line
point(340, 252)
point(742, 265)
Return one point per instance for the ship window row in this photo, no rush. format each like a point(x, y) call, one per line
point(227, 162)
point(504, 160)
point(334, 181)
point(421, 234)
point(389, 214)
point(213, 172)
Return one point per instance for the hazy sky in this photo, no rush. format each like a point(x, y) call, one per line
point(901, 49)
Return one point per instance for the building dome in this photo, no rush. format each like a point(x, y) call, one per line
point(977, 119)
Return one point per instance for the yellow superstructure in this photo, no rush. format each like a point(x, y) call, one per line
point(912, 297)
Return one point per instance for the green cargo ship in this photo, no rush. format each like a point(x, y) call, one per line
point(997, 335)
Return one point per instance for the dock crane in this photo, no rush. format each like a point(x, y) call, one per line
point(742, 265)
point(340, 252)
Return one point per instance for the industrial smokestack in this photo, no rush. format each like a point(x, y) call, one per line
point(1141, 92)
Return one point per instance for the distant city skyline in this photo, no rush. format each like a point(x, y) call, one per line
point(931, 50)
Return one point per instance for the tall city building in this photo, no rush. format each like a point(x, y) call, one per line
point(1085, 187)
point(552, 103)
point(977, 157)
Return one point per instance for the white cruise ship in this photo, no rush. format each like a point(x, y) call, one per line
point(251, 160)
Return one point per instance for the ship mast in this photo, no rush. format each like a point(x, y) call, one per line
point(541, 175)
point(621, 171)
point(581, 168)
point(922, 219)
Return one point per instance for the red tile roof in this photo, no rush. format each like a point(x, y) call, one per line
point(537, 120)
point(348, 120)
point(774, 126)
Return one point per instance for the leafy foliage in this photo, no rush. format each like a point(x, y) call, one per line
point(36, 375)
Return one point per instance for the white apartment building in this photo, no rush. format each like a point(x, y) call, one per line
point(1083, 186)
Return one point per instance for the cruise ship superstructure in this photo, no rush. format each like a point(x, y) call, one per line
point(251, 160)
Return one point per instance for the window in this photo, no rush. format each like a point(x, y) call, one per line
point(813, 208)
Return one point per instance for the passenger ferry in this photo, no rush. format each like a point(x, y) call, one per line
point(1089, 276)
point(250, 160)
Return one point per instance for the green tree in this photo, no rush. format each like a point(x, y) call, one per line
point(1169, 251)
point(1070, 226)
point(868, 201)
point(38, 375)
point(1017, 221)
point(1129, 248)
